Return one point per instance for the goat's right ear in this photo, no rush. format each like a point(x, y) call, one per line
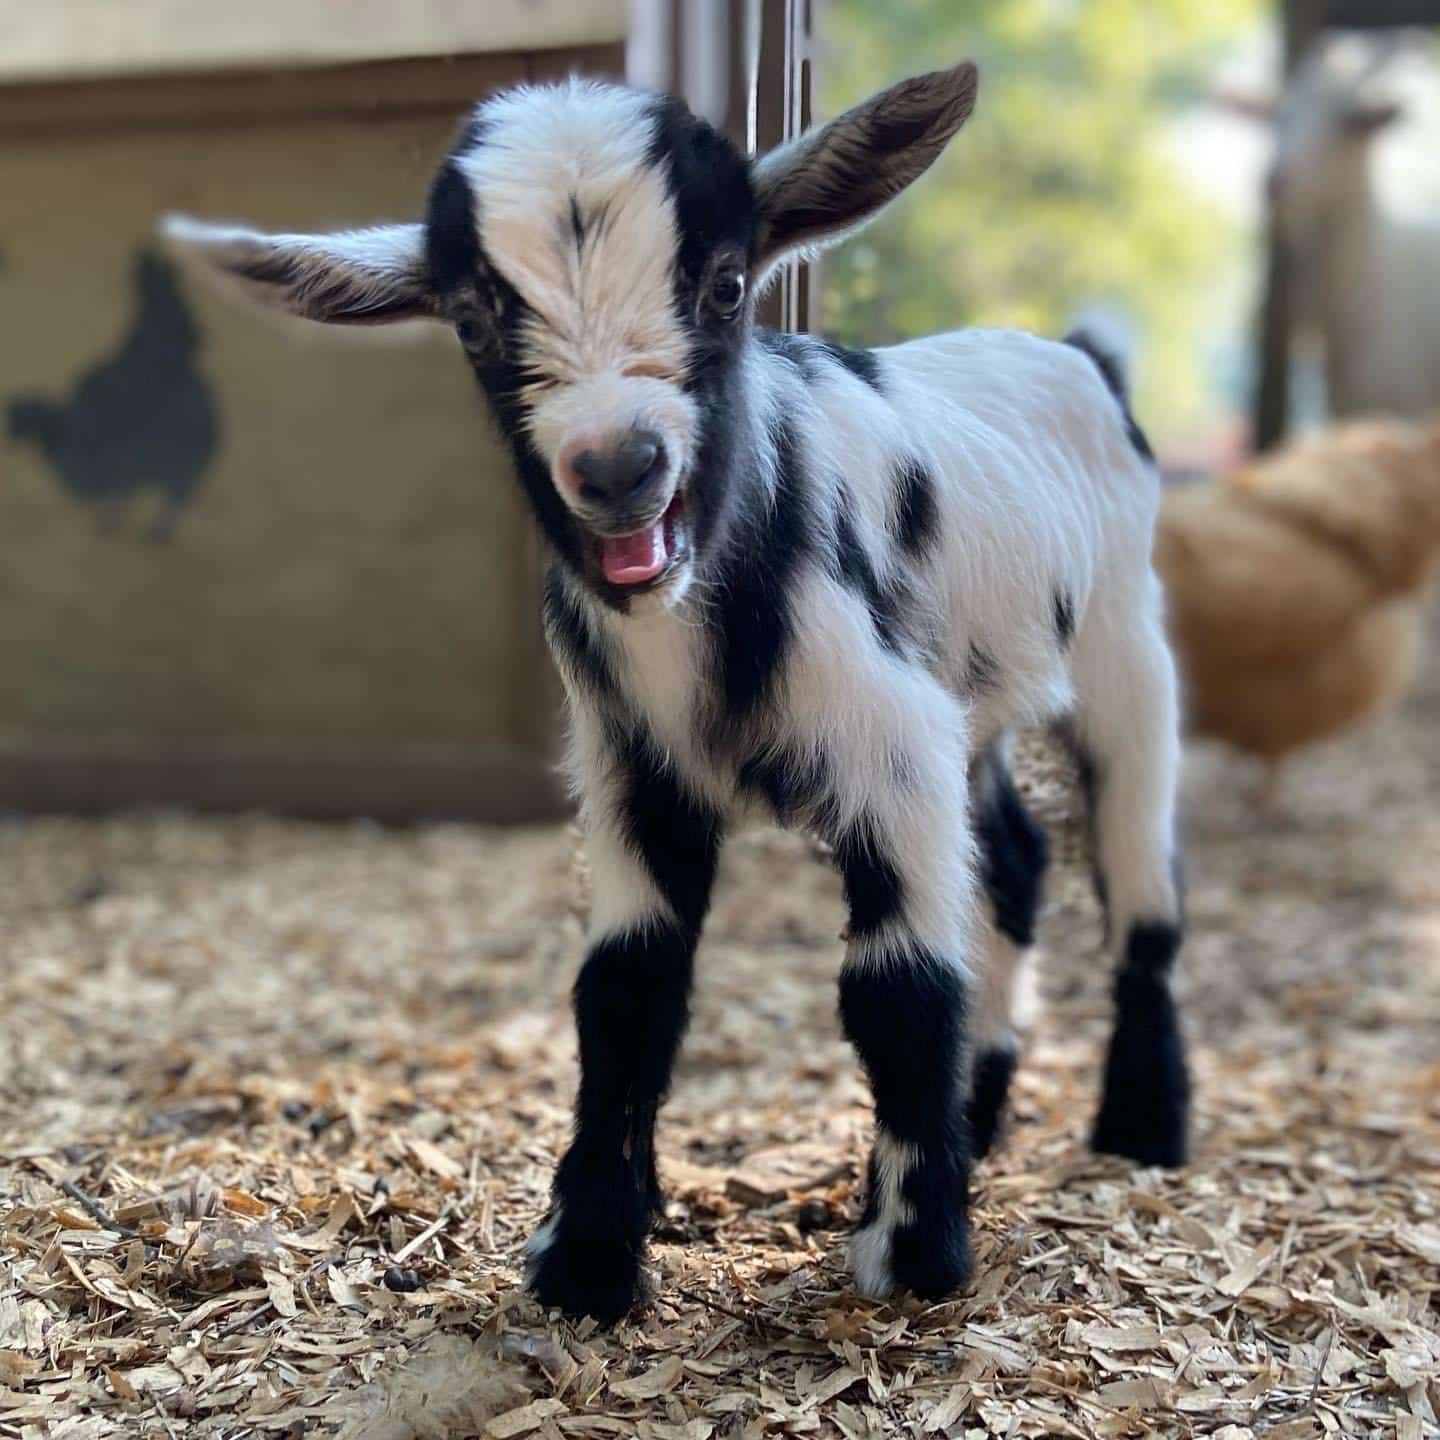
point(356, 277)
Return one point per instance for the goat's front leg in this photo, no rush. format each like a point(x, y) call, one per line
point(652, 851)
point(903, 998)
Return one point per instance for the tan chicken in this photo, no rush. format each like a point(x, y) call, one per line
point(1297, 585)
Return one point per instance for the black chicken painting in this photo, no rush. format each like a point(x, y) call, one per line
point(141, 419)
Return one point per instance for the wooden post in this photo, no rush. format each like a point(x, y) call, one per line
point(1302, 20)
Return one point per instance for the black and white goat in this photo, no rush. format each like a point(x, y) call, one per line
point(818, 581)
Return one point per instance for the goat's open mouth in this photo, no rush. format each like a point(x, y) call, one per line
point(645, 559)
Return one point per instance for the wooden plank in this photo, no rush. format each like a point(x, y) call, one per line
point(499, 784)
point(1381, 14)
point(70, 39)
point(374, 90)
point(1302, 20)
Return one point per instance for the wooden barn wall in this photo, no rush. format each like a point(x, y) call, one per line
point(225, 534)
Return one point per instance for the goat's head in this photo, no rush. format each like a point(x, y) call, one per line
point(599, 253)
point(1322, 125)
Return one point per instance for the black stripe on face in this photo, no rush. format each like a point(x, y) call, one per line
point(475, 294)
point(852, 567)
point(917, 519)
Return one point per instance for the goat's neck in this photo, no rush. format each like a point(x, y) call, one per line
point(1347, 285)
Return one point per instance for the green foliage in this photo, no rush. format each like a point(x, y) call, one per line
point(1060, 193)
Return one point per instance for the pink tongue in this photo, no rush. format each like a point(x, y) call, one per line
point(633, 559)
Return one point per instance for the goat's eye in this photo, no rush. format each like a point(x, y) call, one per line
point(727, 291)
point(469, 333)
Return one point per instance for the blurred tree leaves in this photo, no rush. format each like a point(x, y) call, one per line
point(1060, 193)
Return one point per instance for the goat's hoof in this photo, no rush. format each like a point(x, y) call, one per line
point(987, 1109)
point(584, 1272)
point(1148, 1134)
point(930, 1260)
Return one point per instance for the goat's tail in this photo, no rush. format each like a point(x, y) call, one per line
point(1106, 340)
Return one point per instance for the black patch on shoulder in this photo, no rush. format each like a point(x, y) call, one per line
point(673, 831)
point(577, 646)
point(813, 356)
point(982, 670)
point(874, 890)
point(1064, 618)
point(852, 567)
point(917, 517)
point(1014, 852)
point(755, 620)
point(862, 364)
point(1114, 377)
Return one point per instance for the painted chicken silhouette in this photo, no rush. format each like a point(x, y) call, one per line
point(142, 419)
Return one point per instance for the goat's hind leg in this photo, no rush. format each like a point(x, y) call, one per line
point(1014, 852)
point(1127, 734)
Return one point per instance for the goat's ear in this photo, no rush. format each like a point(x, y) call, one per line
point(356, 277)
point(1364, 120)
point(833, 179)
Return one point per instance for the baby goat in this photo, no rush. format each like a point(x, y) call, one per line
point(818, 581)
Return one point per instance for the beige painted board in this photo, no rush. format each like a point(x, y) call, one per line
point(350, 566)
point(69, 38)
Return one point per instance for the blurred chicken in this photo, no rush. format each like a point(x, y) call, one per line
point(1297, 584)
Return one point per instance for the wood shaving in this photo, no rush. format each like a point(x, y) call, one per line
point(248, 1069)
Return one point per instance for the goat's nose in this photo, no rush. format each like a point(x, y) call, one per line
point(614, 474)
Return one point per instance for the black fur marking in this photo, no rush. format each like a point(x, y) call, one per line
point(577, 224)
point(452, 251)
point(754, 612)
point(917, 517)
point(813, 356)
point(852, 567)
point(795, 785)
point(982, 670)
point(572, 638)
point(862, 364)
point(1146, 1101)
point(676, 834)
point(994, 1070)
point(905, 1016)
point(874, 890)
point(1064, 618)
point(1114, 377)
point(1014, 852)
point(709, 182)
point(631, 1007)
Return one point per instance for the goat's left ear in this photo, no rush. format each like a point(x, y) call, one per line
point(356, 277)
point(833, 179)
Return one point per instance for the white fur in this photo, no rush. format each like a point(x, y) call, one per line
point(606, 344)
point(870, 1245)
